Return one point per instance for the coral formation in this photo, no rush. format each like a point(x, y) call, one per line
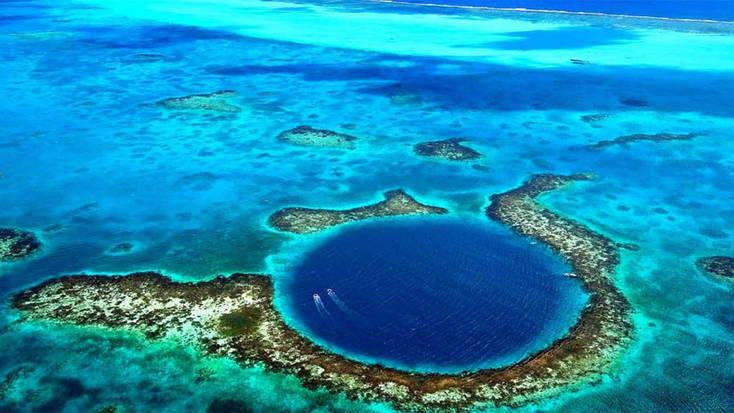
point(16, 244)
point(658, 137)
point(634, 102)
point(406, 99)
point(215, 101)
point(305, 220)
point(235, 317)
point(579, 61)
point(121, 248)
point(596, 117)
point(720, 266)
point(307, 136)
point(42, 35)
point(449, 149)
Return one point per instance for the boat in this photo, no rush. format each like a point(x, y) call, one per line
point(570, 275)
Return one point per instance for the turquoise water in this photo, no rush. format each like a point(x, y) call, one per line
point(81, 148)
point(719, 10)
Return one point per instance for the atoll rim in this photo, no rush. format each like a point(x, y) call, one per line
point(235, 317)
point(305, 220)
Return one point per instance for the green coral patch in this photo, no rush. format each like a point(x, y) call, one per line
point(215, 102)
point(308, 136)
point(240, 322)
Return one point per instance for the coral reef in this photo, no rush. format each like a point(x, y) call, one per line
point(235, 317)
point(658, 137)
point(16, 244)
point(215, 101)
point(121, 248)
point(579, 61)
point(305, 220)
point(406, 99)
point(18, 373)
point(449, 149)
point(596, 117)
point(42, 35)
point(634, 102)
point(307, 136)
point(720, 266)
point(149, 57)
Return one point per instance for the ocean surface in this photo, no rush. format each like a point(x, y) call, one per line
point(88, 161)
point(434, 294)
point(718, 10)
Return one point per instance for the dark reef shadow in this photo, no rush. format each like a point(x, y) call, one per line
point(572, 37)
point(495, 87)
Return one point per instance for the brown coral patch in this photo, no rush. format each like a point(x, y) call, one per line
point(448, 149)
point(16, 244)
point(720, 266)
point(658, 137)
point(305, 220)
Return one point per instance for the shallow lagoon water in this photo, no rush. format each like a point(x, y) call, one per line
point(444, 295)
point(719, 10)
point(81, 148)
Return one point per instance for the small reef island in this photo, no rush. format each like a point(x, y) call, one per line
point(720, 266)
point(16, 244)
point(305, 220)
point(448, 149)
point(235, 317)
point(215, 101)
point(592, 119)
point(658, 137)
point(307, 136)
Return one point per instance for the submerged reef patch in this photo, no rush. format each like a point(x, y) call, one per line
point(149, 57)
point(215, 101)
point(307, 136)
point(13, 376)
point(658, 137)
point(596, 117)
point(235, 317)
point(16, 244)
point(305, 220)
point(406, 99)
point(720, 266)
point(121, 248)
point(42, 35)
point(639, 103)
point(449, 149)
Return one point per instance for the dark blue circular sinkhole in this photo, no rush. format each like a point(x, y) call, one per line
point(438, 294)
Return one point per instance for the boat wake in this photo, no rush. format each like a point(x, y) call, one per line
point(342, 305)
point(320, 306)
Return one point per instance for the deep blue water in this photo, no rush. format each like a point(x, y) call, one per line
point(439, 294)
point(688, 9)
